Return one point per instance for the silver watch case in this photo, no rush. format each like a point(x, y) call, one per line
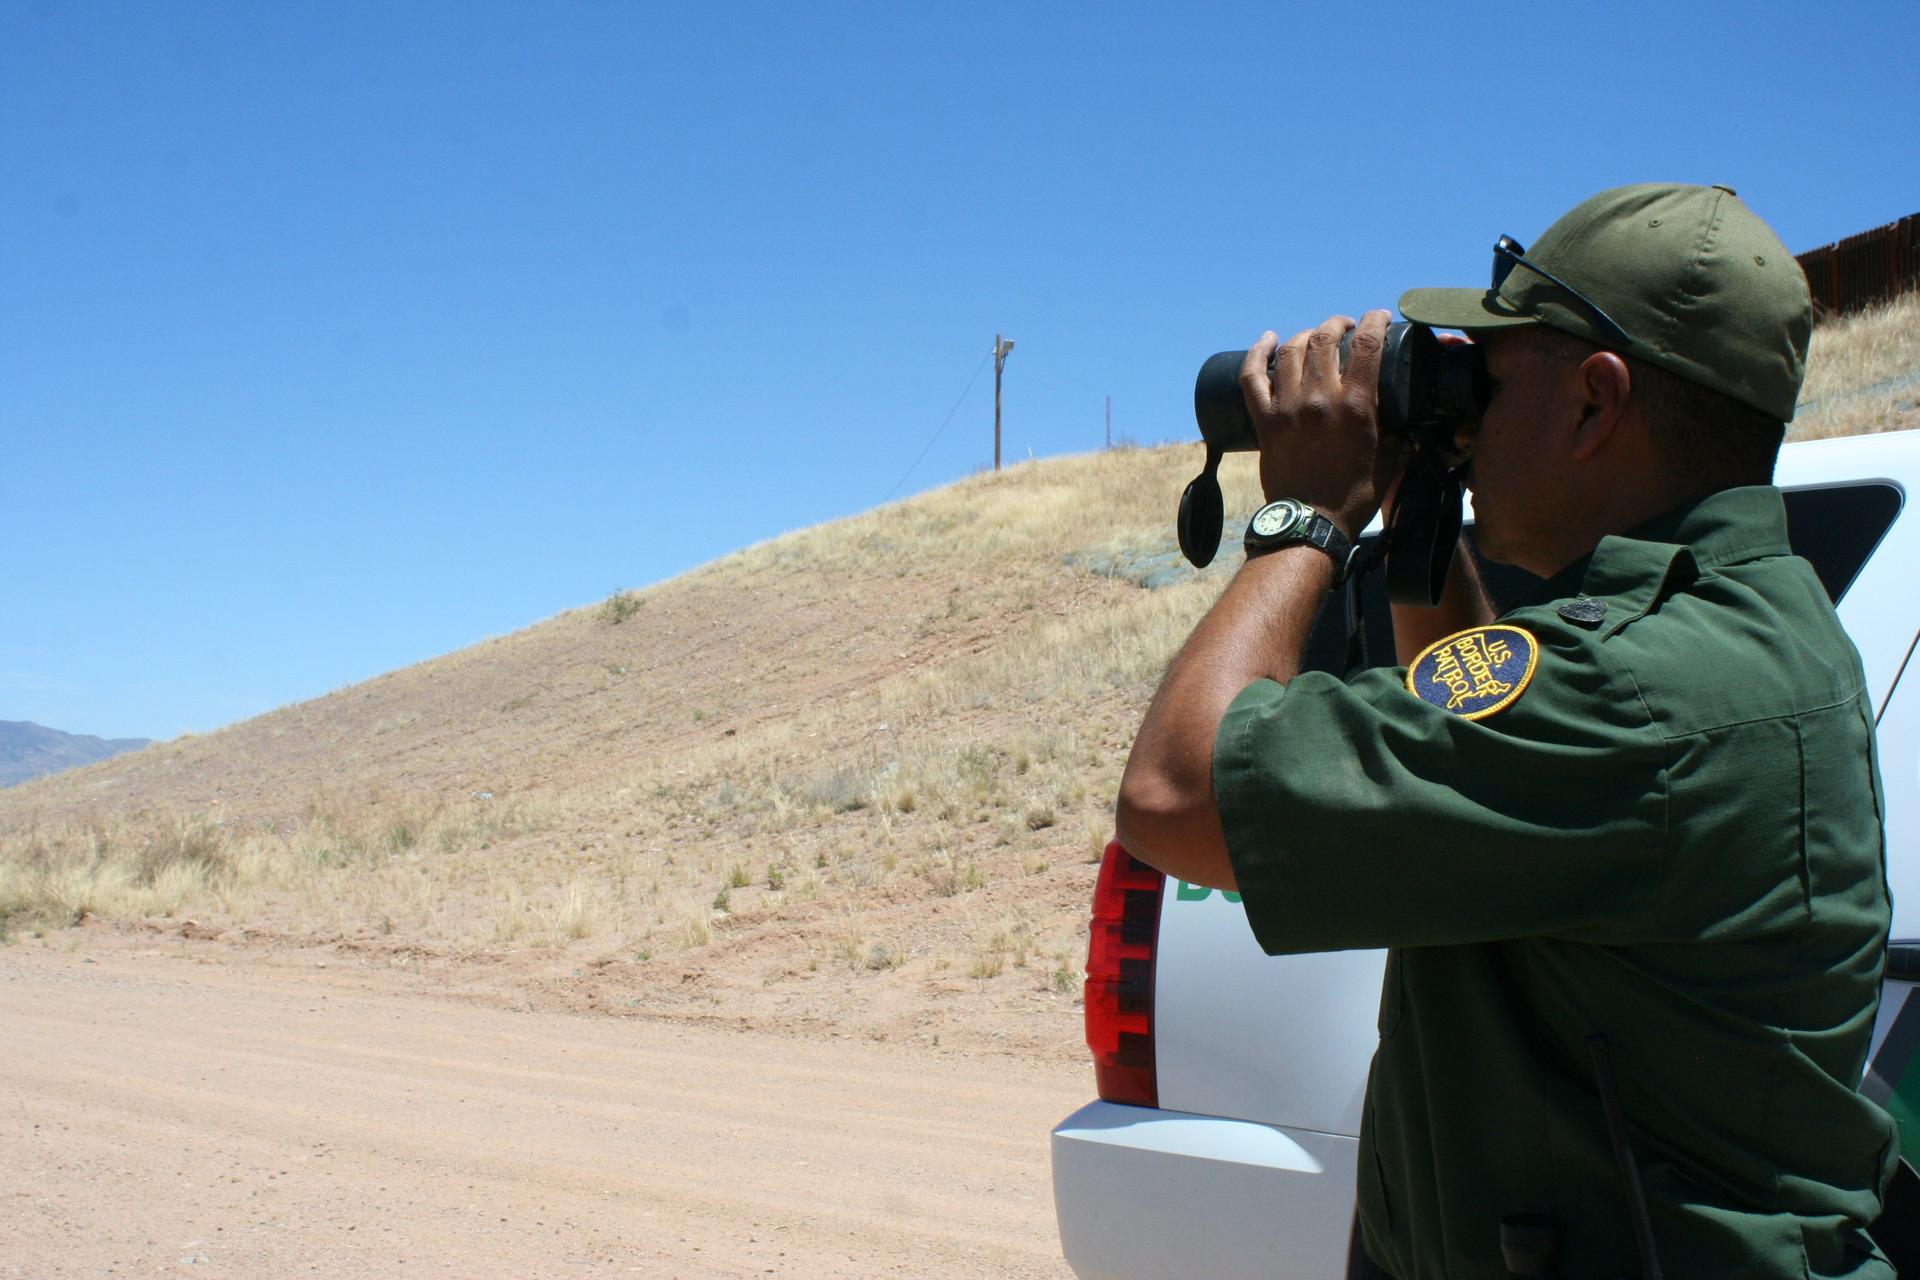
point(1289, 522)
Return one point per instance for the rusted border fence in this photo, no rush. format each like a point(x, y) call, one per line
point(1864, 269)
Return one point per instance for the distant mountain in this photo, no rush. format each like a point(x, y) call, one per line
point(28, 750)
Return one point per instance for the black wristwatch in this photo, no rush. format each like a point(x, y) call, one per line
point(1292, 523)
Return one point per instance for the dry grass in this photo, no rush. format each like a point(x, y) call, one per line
point(1863, 373)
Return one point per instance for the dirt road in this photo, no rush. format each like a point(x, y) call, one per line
point(166, 1116)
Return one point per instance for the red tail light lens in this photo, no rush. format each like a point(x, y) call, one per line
point(1126, 925)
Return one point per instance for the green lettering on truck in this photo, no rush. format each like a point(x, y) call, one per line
point(1198, 892)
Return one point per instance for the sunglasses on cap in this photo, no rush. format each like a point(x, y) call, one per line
point(1509, 253)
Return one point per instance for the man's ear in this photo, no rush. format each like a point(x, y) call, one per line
point(1603, 387)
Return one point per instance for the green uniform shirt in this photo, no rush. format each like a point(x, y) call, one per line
point(1670, 836)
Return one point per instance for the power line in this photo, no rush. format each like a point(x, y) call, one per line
point(942, 427)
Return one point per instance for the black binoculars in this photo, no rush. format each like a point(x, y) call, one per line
point(1428, 391)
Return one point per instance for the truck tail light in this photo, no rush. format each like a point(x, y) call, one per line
point(1119, 1003)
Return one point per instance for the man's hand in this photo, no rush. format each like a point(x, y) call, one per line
point(1319, 434)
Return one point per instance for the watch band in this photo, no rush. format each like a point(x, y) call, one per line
point(1315, 531)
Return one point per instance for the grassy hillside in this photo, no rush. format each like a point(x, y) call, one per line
point(865, 757)
point(855, 778)
point(1863, 374)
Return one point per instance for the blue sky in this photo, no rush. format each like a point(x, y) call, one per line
point(335, 336)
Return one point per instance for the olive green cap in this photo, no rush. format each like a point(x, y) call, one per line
point(1699, 284)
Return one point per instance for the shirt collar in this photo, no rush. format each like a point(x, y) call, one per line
point(1727, 527)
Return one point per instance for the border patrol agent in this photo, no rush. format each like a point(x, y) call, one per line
point(1624, 842)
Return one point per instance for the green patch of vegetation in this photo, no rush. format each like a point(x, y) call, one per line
point(620, 606)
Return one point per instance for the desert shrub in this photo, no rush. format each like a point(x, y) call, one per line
point(841, 790)
point(619, 606)
point(192, 846)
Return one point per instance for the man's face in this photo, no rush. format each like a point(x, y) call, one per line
point(1510, 477)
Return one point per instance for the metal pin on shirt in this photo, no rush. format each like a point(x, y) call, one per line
point(1586, 611)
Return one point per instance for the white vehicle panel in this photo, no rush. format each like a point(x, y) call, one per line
point(1226, 1014)
point(1898, 737)
point(1142, 1194)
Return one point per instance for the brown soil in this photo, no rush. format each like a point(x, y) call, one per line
point(184, 1107)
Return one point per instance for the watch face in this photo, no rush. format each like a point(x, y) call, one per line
point(1275, 519)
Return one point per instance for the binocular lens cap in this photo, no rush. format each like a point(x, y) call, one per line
point(1202, 513)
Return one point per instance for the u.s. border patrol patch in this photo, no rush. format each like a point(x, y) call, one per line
point(1477, 672)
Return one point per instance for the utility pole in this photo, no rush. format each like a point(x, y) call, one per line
point(1000, 348)
point(1109, 422)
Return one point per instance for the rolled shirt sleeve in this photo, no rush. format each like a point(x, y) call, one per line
point(1358, 815)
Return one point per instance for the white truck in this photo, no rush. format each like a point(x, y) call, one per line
point(1223, 1140)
